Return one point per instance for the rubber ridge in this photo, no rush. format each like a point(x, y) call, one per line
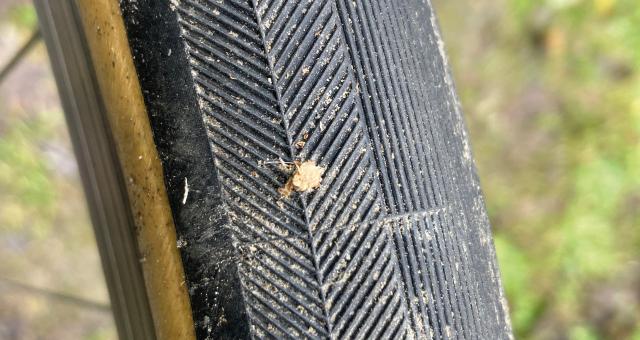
point(395, 242)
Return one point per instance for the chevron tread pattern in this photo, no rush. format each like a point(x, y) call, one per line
point(387, 247)
point(297, 275)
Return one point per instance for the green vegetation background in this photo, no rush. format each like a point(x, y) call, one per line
point(551, 93)
point(46, 240)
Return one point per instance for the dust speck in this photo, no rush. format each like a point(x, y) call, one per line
point(186, 191)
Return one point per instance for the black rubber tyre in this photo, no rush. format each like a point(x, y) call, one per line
point(394, 243)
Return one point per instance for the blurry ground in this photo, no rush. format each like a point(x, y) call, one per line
point(551, 92)
point(46, 240)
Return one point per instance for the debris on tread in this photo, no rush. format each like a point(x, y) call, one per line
point(306, 177)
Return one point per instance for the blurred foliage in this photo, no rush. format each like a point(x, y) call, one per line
point(46, 240)
point(551, 91)
point(29, 192)
point(23, 15)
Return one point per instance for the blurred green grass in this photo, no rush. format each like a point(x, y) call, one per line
point(551, 92)
point(46, 239)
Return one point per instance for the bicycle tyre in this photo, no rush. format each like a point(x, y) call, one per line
point(384, 234)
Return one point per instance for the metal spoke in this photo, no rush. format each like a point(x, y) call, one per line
point(35, 37)
point(74, 300)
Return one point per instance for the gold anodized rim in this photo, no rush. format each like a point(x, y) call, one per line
point(120, 89)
